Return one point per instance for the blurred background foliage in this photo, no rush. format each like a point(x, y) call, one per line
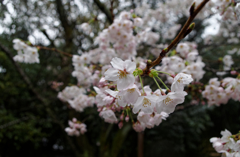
point(33, 119)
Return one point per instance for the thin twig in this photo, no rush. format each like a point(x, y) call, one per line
point(53, 49)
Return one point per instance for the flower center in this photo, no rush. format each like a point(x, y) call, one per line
point(146, 102)
point(180, 79)
point(131, 90)
point(122, 74)
point(167, 100)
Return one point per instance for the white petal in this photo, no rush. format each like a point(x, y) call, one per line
point(111, 74)
point(124, 82)
point(117, 63)
point(137, 106)
point(130, 66)
point(112, 93)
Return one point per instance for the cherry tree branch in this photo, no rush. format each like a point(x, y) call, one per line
point(53, 49)
point(187, 28)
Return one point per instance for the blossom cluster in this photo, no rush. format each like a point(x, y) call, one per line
point(124, 95)
point(228, 62)
point(26, 54)
point(76, 97)
point(228, 144)
point(75, 128)
point(218, 92)
point(228, 9)
point(185, 59)
point(84, 74)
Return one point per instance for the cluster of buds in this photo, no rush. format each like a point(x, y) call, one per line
point(228, 144)
point(75, 128)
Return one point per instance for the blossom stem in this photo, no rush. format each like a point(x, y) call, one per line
point(130, 115)
point(157, 84)
point(163, 83)
point(141, 83)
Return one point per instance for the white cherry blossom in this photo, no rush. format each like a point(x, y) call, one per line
point(122, 72)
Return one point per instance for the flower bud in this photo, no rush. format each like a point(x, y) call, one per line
point(127, 118)
point(122, 116)
point(120, 125)
point(234, 72)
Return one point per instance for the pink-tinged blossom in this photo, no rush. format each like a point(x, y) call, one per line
point(227, 145)
point(108, 115)
point(75, 128)
point(81, 102)
point(214, 81)
point(143, 117)
point(122, 72)
point(145, 104)
point(168, 102)
point(139, 127)
point(150, 120)
point(70, 92)
point(128, 96)
point(103, 98)
point(138, 22)
point(179, 81)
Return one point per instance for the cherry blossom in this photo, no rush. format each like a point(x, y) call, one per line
point(122, 72)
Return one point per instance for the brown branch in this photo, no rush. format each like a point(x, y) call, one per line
point(111, 10)
point(38, 95)
point(187, 28)
point(105, 10)
point(53, 49)
point(13, 122)
point(140, 144)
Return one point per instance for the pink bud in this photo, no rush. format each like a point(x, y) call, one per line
point(163, 93)
point(127, 118)
point(234, 72)
point(97, 72)
point(113, 108)
point(122, 116)
point(172, 75)
point(120, 125)
point(74, 120)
